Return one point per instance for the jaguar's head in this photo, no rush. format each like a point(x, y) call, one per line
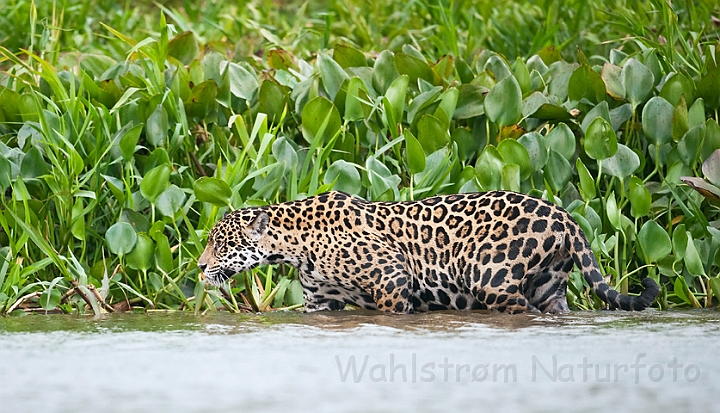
point(232, 245)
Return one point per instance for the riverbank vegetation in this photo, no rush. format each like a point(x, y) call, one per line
point(127, 131)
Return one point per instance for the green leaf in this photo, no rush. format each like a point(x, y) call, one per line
point(384, 72)
point(599, 111)
point(345, 176)
point(213, 191)
point(171, 201)
point(348, 56)
point(332, 75)
point(129, 140)
point(585, 83)
point(50, 298)
point(416, 69)
point(693, 263)
point(156, 127)
point(709, 88)
point(677, 86)
point(613, 213)
point(141, 256)
point(622, 164)
point(243, 84)
point(33, 164)
point(511, 177)
point(536, 148)
point(271, 100)
point(5, 173)
point(587, 183)
point(120, 238)
point(163, 253)
point(320, 120)
point(515, 153)
point(470, 101)
point(654, 241)
point(600, 140)
point(522, 75)
point(414, 152)
point(679, 242)
point(432, 134)
point(395, 95)
point(184, 47)
point(77, 227)
point(715, 286)
point(640, 198)
point(558, 171)
point(612, 76)
point(562, 140)
point(638, 82)
point(690, 145)
point(468, 145)
point(657, 120)
point(155, 182)
point(498, 67)
point(356, 92)
point(503, 104)
point(488, 169)
point(711, 168)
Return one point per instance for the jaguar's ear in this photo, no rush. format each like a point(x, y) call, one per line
point(258, 227)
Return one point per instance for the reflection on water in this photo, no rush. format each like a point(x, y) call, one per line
point(360, 361)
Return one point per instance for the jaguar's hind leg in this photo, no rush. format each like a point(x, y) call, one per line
point(547, 289)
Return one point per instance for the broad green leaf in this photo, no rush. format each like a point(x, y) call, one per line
point(657, 120)
point(171, 201)
point(638, 82)
point(679, 242)
point(49, 299)
point(515, 153)
point(696, 114)
point(655, 242)
point(470, 101)
point(141, 256)
point(587, 183)
point(320, 120)
point(33, 164)
point(184, 47)
point(562, 140)
point(332, 75)
point(640, 198)
point(488, 169)
point(503, 104)
point(676, 86)
point(345, 176)
point(498, 67)
point(129, 140)
point(348, 56)
point(281, 59)
point(585, 83)
point(155, 182)
point(212, 190)
point(448, 103)
point(711, 168)
point(396, 97)
point(600, 140)
point(690, 145)
point(163, 253)
point(522, 75)
point(558, 171)
point(156, 127)
point(416, 69)
point(243, 84)
point(536, 148)
point(5, 173)
point(468, 145)
point(612, 77)
point(432, 134)
point(77, 227)
point(414, 152)
point(271, 100)
point(384, 72)
point(680, 120)
point(612, 212)
point(511, 177)
point(693, 263)
point(120, 238)
point(709, 88)
point(354, 108)
point(599, 111)
point(622, 164)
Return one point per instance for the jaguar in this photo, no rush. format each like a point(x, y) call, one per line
point(500, 251)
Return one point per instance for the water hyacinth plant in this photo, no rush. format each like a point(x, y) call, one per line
point(121, 145)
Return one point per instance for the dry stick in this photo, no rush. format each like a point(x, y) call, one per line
point(21, 300)
point(102, 302)
point(198, 165)
point(81, 293)
point(67, 295)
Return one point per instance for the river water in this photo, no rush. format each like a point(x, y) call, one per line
point(353, 361)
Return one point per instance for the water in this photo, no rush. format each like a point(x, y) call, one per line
point(604, 361)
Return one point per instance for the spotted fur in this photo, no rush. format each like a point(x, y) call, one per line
point(498, 250)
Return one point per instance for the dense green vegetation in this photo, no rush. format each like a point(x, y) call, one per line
point(126, 132)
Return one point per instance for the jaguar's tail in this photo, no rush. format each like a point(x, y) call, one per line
point(585, 260)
